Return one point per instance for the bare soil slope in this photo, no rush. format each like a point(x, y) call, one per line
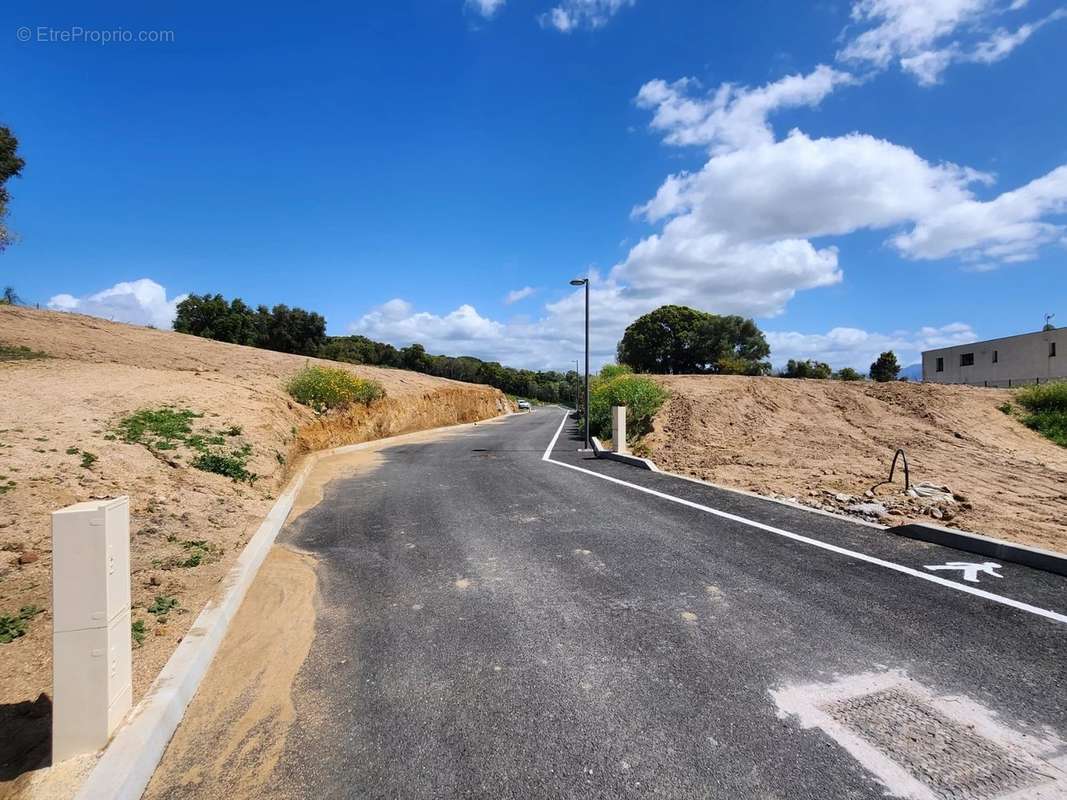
point(54, 410)
point(814, 440)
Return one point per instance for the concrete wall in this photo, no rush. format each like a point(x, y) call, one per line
point(1020, 360)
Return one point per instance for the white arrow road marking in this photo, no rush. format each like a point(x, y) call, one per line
point(970, 571)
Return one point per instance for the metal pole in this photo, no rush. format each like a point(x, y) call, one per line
point(587, 440)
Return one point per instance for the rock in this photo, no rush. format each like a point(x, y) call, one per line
point(868, 509)
point(29, 557)
point(868, 493)
point(154, 581)
point(843, 498)
point(937, 513)
point(931, 491)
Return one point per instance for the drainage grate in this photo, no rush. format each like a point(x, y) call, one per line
point(949, 758)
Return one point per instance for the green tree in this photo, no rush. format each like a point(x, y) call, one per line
point(10, 297)
point(10, 166)
point(848, 374)
point(885, 368)
point(806, 369)
point(678, 339)
point(415, 358)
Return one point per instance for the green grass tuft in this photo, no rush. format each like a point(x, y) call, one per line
point(11, 353)
point(138, 632)
point(1045, 410)
point(13, 627)
point(155, 426)
point(162, 606)
point(323, 388)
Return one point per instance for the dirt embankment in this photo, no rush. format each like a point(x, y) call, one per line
point(186, 525)
point(814, 440)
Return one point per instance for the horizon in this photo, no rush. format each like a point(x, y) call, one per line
point(437, 173)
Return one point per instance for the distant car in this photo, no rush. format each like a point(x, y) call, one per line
point(524, 405)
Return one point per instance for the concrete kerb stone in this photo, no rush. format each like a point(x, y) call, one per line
point(126, 765)
point(1045, 560)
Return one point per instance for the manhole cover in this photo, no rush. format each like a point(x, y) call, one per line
point(948, 757)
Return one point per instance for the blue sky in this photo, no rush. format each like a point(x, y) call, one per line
point(855, 175)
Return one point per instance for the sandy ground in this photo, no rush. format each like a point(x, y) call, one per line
point(100, 371)
point(814, 440)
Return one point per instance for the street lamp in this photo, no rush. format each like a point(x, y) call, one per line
point(585, 282)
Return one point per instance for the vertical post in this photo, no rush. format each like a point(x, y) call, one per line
point(618, 429)
point(588, 444)
point(92, 669)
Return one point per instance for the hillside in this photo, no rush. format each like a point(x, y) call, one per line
point(813, 440)
point(186, 525)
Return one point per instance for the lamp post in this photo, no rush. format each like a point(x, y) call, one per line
point(585, 282)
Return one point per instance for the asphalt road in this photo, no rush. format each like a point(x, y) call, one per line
point(497, 621)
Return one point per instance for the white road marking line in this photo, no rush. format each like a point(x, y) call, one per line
point(996, 598)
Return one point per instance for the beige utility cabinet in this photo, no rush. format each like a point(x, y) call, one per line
point(92, 681)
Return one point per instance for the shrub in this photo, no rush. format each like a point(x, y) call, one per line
point(323, 388)
point(641, 395)
point(848, 374)
point(1046, 410)
point(819, 370)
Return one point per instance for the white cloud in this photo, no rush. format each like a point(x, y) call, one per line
point(515, 295)
point(571, 15)
point(487, 8)
point(856, 348)
point(802, 187)
point(140, 302)
point(904, 28)
point(1009, 228)
point(929, 66)
point(732, 117)
point(926, 36)
point(397, 321)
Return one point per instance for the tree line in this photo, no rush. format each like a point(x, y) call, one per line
point(669, 340)
point(296, 330)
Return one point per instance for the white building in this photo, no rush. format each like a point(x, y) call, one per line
point(1011, 361)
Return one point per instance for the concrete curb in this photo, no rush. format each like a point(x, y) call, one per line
point(1045, 560)
point(128, 762)
point(635, 461)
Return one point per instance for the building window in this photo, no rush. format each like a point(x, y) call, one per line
point(940, 365)
point(966, 359)
point(1051, 349)
point(996, 356)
